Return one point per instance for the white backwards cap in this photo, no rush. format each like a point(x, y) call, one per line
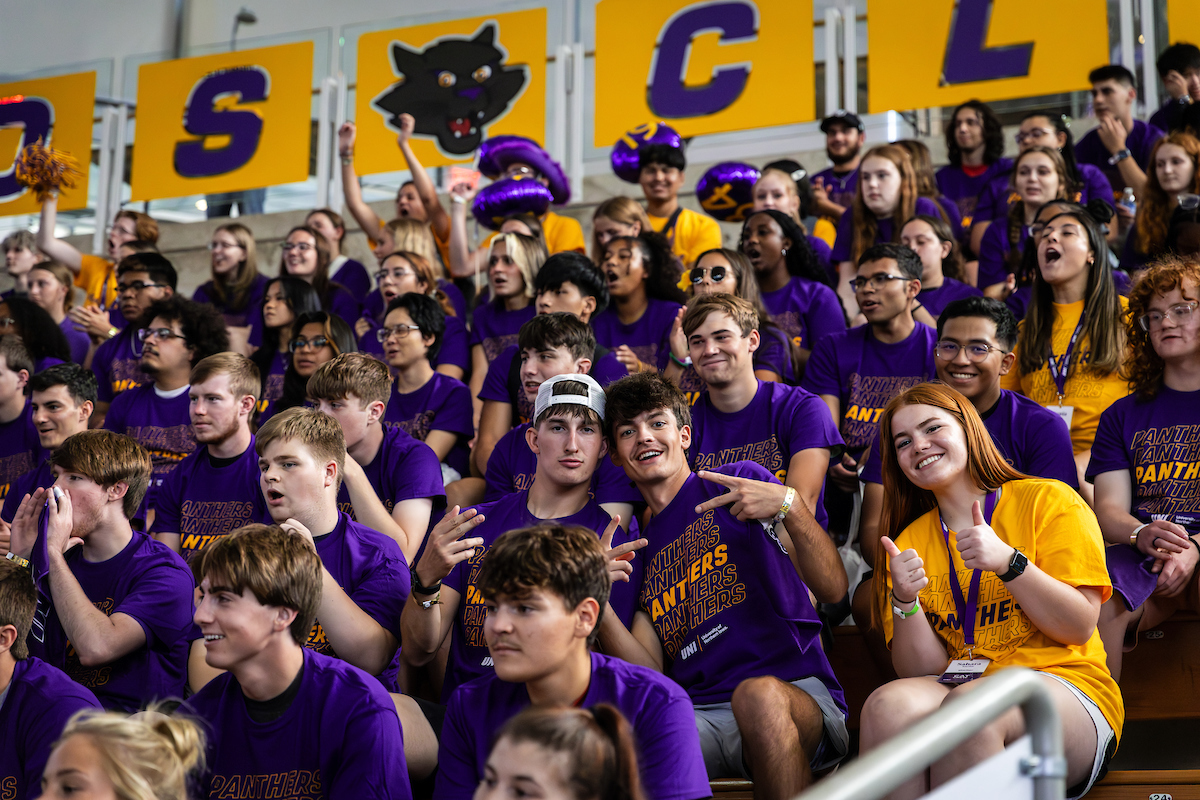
point(593, 399)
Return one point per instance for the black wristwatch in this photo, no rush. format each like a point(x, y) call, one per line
point(418, 588)
point(1016, 566)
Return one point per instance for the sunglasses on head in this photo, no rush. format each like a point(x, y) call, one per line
point(717, 274)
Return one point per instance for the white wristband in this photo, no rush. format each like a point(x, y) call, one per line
point(788, 498)
point(1133, 536)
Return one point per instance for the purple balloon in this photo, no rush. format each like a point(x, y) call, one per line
point(498, 201)
point(499, 152)
point(726, 191)
point(624, 158)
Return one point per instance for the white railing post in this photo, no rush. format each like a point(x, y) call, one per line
point(326, 95)
point(562, 81)
point(108, 120)
point(850, 59)
point(117, 175)
point(578, 99)
point(1149, 56)
point(337, 195)
point(833, 100)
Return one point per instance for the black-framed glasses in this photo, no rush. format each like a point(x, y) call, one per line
point(716, 274)
point(1180, 314)
point(302, 247)
point(1033, 133)
point(948, 351)
point(876, 282)
point(138, 286)
point(315, 343)
point(399, 331)
point(162, 334)
point(398, 274)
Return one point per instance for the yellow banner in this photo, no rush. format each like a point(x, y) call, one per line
point(223, 123)
point(1183, 22)
point(462, 81)
point(702, 67)
point(56, 110)
point(997, 50)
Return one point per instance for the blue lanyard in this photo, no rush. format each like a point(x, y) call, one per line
point(1060, 375)
point(966, 607)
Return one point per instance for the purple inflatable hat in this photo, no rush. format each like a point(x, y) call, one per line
point(624, 158)
point(726, 191)
point(499, 152)
point(498, 201)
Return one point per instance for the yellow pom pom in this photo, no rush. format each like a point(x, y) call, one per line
point(46, 170)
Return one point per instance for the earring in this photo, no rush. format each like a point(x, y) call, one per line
point(785, 251)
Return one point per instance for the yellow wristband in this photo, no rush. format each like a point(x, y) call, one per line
point(788, 499)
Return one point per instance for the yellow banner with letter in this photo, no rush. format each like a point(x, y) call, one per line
point(924, 55)
point(702, 67)
point(1183, 22)
point(56, 110)
point(223, 123)
point(462, 81)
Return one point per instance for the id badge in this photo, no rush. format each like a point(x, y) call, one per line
point(963, 670)
point(1066, 412)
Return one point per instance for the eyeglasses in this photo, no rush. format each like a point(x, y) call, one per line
point(716, 274)
point(399, 331)
point(315, 343)
point(224, 246)
point(162, 334)
point(137, 286)
point(1031, 135)
point(1189, 202)
point(1180, 314)
point(522, 170)
point(398, 274)
point(302, 247)
point(876, 282)
point(948, 351)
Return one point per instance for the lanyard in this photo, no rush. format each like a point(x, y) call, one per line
point(1060, 376)
point(966, 607)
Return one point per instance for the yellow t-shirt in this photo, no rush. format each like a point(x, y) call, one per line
point(694, 233)
point(1048, 522)
point(98, 277)
point(563, 234)
point(826, 230)
point(1086, 392)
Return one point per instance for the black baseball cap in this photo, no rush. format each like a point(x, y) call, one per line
point(845, 118)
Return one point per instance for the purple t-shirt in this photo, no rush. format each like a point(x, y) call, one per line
point(339, 302)
point(77, 340)
point(865, 374)
point(1140, 141)
point(964, 190)
point(1170, 114)
point(823, 251)
point(710, 575)
point(118, 364)
point(251, 311)
point(778, 423)
point(442, 404)
point(20, 450)
point(512, 466)
point(605, 370)
point(648, 337)
point(469, 656)
point(40, 700)
point(1018, 301)
point(342, 735)
point(993, 252)
point(371, 569)
point(202, 501)
point(495, 329)
point(273, 386)
point(40, 478)
point(841, 187)
point(352, 274)
point(403, 469)
point(162, 425)
point(805, 310)
point(454, 350)
point(1158, 442)
point(936, 300)
point(886, 230)
point(659, 711)
point(995, 199)
point(1032, 438)
point(146, 581)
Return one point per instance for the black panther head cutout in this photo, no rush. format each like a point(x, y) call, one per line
point(453, 89)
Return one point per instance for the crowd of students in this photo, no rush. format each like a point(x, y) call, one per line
point(325, 536)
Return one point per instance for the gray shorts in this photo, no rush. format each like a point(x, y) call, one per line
point(1105, 738)
point(721, 741)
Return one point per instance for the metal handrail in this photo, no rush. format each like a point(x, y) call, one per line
point(883, 769)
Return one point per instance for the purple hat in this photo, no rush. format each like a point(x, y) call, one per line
point(499, 152)
point(726, 191)
point(624, 158)
point(498, 201)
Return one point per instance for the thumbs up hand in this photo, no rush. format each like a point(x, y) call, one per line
point(981, 548)
point(908, 571)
